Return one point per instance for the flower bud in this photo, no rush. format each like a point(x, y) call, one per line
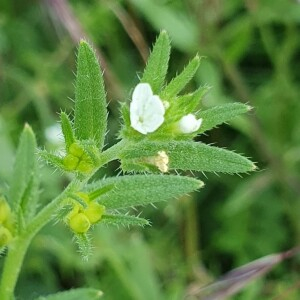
point(79, 223)
point(5, 236)
point(94, 212)
point(189, 124)
point(84, 167)
point(76, 150)
point(70, 162)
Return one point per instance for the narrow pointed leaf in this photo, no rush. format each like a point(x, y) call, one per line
point(136, 190)
point(24, 187)
point(75, 294)
point(220, 114)
point(180, 81)
point(188, 156)
point(90, 100)
point(157, 65)
point(237, 279)
point(123, 220)
point(67, 130)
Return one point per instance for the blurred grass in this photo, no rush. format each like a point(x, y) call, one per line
point(251, 51)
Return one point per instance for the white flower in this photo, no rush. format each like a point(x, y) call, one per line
point(189, 124)
point(146, 110)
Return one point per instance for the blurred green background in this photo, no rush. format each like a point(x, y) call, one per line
point(251, 54)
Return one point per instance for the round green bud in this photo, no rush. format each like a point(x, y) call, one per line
point(5, 236)
point(70, 162)
point(4, 210)
point(76, 150)
point(72, 213)
point(84, 167)
point(79, 223)
point(94, 212)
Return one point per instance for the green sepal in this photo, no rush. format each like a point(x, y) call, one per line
point(178, 83)
point(52, 159)
point(74, 294)
point(67, 130)
point(78, 199)
point(90, 120)
point(157, 65)
point(98, 192)
point(91, 151)
point(187, 156)
point(123, 220)
point(220, 114)
point(83, 242)
point(125, 113)
point(23, 194)
point(136, 190)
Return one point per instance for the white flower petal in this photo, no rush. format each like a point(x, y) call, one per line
point(142, 92)
point(146, 110)
point(189, 124)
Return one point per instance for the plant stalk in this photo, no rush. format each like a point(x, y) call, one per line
point(12, 267)
point(17, 249)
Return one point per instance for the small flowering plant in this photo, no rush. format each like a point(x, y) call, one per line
point(155, 143)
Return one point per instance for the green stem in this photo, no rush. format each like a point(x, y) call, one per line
point(12, 267)
point(112, 153)
point(18, 248)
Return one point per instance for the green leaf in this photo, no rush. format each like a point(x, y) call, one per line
point(75, 294)
point(180, 81)
point(23, 195)
point(187, 156)
point(90, 100)
point(157, 65)
point(220, 114)
point(67, 130)
point(123, 220)
point(135, 190)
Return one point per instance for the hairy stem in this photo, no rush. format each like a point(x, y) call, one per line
point(12, 267)
point(17, 249)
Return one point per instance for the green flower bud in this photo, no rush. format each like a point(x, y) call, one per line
point(70, 162)
point(76, 150)
point(79, 223)
point(85, 167)
point(5, 236)
point(94, 212)
point(72, 213)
